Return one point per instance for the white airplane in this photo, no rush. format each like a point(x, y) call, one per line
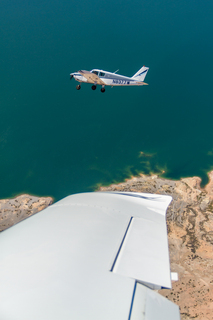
point(93, 256)
point(105, 78)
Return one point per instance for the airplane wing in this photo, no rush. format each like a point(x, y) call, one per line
point(89, 256)
point(91, 77)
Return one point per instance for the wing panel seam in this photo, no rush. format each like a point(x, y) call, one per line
point(132, 302)
point(121, 244)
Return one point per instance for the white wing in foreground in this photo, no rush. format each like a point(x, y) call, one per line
point(88, 256)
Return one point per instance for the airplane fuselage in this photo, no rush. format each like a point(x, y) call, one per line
point(106, 78)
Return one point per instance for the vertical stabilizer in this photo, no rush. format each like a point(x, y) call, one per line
point(141, 74)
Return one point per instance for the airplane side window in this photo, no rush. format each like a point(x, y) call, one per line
point(101, 74)
point(95, 72)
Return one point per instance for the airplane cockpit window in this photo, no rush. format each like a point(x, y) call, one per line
point(101, 74)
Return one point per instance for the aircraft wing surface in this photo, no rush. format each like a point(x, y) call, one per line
point(91, 77)
point(91, 256)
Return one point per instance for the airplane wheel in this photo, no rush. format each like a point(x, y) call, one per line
point(102, 89)
point(93, 87)
point(78, 87)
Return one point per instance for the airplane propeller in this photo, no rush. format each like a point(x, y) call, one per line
point(71, 75)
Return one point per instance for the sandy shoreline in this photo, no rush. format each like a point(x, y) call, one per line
point(19, 208)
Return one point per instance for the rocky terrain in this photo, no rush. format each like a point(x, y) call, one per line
point(190, 232)
point(15, 210)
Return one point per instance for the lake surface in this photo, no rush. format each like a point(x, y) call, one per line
point(55, 140)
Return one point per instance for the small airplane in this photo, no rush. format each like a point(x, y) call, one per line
point(105, 78)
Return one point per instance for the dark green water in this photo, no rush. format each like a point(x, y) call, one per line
point(55, 140)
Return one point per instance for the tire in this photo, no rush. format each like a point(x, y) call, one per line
point(102, 89)
point(78, 87)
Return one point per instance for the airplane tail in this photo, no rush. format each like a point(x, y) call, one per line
point(141, 74)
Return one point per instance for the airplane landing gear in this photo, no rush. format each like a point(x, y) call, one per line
point(78, 87)
point(102, 89)
point(93, 87)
